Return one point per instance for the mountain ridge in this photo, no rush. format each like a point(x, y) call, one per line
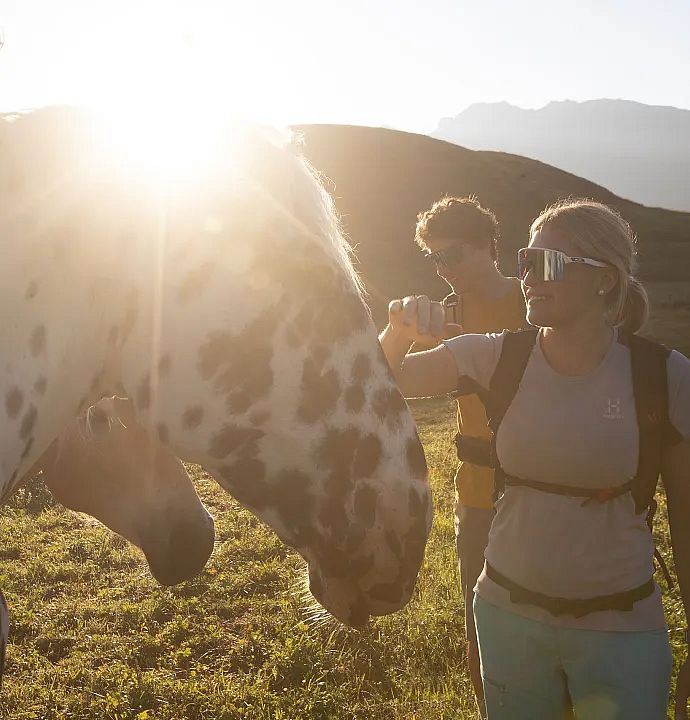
point(638, 151)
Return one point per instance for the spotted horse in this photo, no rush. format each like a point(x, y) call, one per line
point(226, 306)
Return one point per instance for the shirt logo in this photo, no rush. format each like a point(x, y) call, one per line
point(613, 409)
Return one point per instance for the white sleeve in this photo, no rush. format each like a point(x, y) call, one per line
point(476, 356)
point(679, 392)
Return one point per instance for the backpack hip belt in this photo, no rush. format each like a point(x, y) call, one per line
point(577, 607)
point(589, 494)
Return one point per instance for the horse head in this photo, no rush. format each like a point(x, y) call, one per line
point(107, 465)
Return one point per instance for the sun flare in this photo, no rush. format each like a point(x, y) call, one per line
point(165, 142)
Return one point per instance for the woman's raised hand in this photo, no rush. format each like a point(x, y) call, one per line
point(417, 319)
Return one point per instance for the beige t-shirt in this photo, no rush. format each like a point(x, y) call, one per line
point(474, 485)
point(579, 431)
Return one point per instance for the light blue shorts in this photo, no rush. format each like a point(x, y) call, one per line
point(531, 669)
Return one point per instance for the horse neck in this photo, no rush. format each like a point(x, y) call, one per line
point(57, 301)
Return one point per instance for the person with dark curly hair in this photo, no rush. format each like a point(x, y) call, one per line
point(460, 237)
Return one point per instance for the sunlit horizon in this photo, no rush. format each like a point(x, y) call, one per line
point(390, 64)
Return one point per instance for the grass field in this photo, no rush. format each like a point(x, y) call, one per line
point(94, 637)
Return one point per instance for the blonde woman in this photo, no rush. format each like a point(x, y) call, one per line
point(566, 606)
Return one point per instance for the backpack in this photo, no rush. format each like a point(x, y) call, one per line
point(650, 389)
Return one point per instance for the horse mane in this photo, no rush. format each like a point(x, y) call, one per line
point(312, 207)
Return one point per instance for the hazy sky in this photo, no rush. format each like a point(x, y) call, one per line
point(403, 63)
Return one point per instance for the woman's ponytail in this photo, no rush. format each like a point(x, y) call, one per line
point(635, 310)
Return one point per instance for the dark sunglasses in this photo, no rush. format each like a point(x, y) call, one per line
point(549, 265)
point(444, 258)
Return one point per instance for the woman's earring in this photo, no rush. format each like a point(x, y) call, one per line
point(601, 291)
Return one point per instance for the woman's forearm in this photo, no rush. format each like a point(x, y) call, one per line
point(395, 348)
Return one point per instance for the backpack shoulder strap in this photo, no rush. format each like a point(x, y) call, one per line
point(515, 353)
point(650, 388)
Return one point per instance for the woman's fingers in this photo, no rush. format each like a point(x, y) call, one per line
point(423, 315)
point(417, 318)
point(409, 311)
point(394, 309)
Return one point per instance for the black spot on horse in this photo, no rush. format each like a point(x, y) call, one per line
point(320, 393)
point(31, 290)
point(246, 481)
point(27, 448)
point(345, 455)
point(194, 282)
point(234, 438)
point(192, 417)
point(334, 562)
point(13, 402)
point(333, 516)
point(144, 394)
point(37, 342)
point(393, 543)
point(414, 540)
point(354, 398)
point(28, 422)
point(361, 369)
point(259, 418)
point(96, 381)
point(163, 432)
point(319, 356)
point(130, 320)
point(356, 535)
point(361, 566)
point(386, 592)
point(238, 402)
point(290, 496)
point(367, 457)
point(241, 363)
point(366, 498)
point(164, 365)
point(415, 457)
point(336, 453)
point(40, 385)
point(390, 406)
